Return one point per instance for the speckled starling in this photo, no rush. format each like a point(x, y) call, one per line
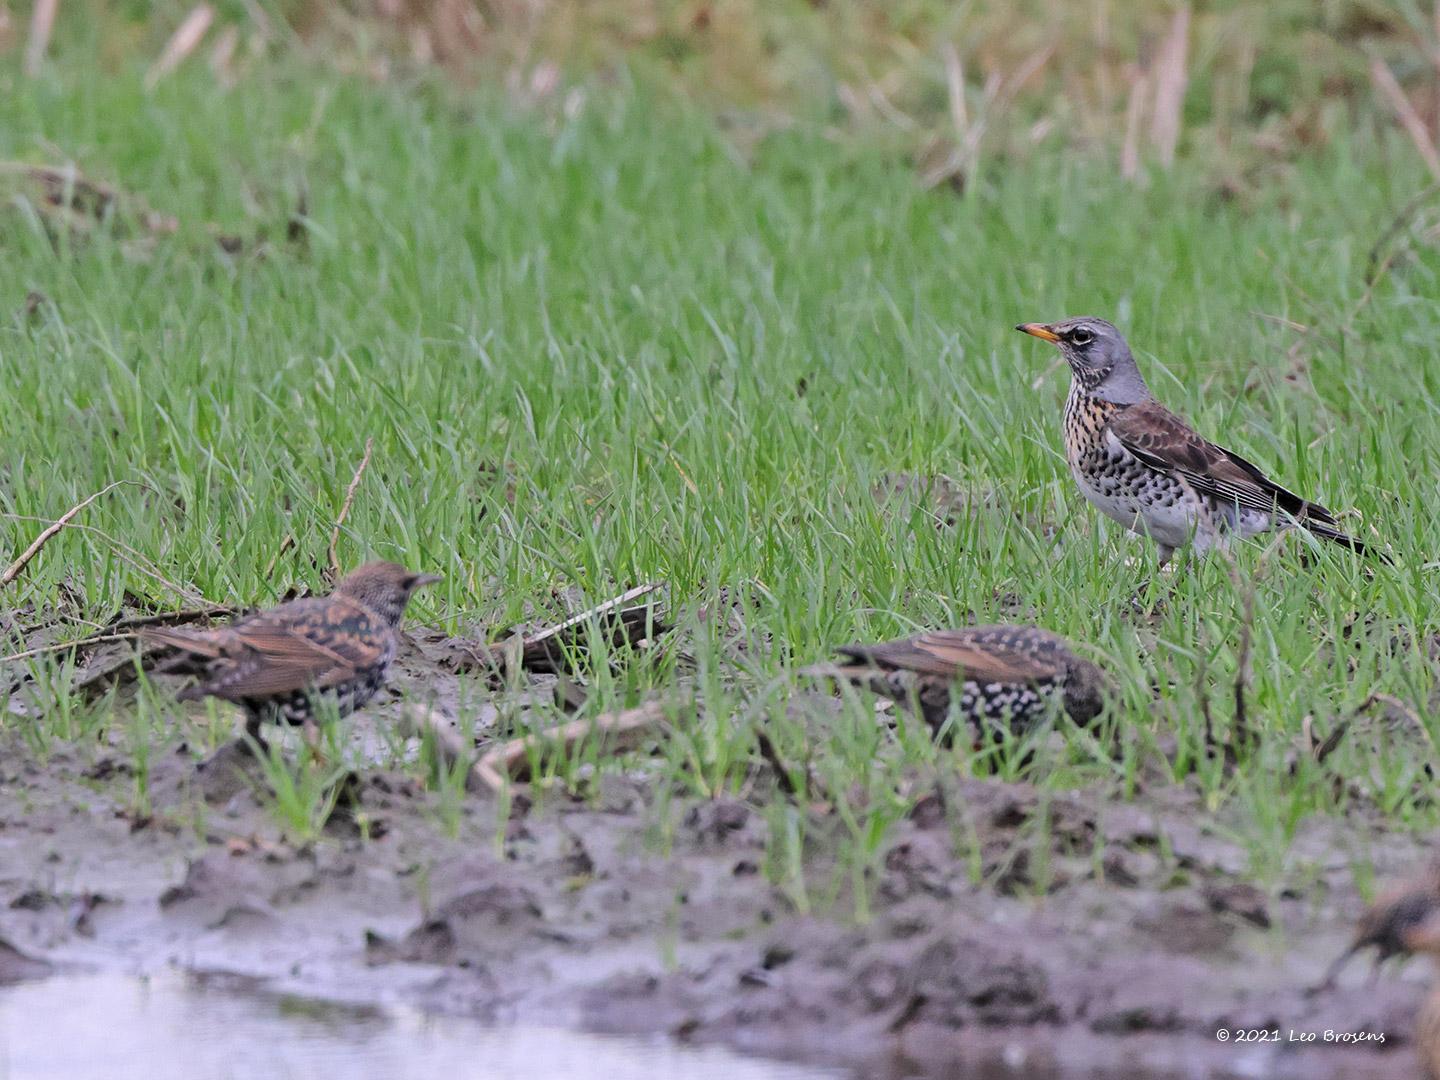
point(279, 663)
point(993, 675)
point(1145, 467)
point(1404, 919)
point(1427, 1035)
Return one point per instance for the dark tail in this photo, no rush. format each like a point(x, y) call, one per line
point(1335, 536)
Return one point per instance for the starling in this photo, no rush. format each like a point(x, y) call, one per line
point(1403, 920)
point(994, 675)
point(1427, 1034)
point(276, 664)
point(1145, 467)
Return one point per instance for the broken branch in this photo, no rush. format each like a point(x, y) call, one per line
point(345, 508)
point(538, 640)
point(62, 646)
point(510, 762)
point(14, 569)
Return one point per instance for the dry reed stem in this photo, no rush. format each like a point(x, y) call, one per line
point(42, 22)
point(1410, 120)
point(182, 43)
point(1171, 78)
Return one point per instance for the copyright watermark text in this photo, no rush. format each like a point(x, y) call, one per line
point(1294, 1035)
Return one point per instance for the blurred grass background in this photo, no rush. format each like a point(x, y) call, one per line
point(1233, 87)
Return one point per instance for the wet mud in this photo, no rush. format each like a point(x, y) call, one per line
point(1006, 932)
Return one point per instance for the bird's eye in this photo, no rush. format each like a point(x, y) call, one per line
point(1081, 336)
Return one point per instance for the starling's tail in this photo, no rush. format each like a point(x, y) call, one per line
point(1335, 536)
point(179, 652)
point(190, 641)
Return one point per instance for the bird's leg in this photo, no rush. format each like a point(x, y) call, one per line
point(253, 732)
point(1138, 599)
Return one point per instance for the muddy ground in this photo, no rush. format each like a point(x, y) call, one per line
point(1120, 949)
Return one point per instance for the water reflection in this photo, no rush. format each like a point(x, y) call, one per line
point(105, 1027)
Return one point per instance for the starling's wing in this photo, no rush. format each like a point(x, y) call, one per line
point(1163, 441)
point(984, 654)
point(304, 645)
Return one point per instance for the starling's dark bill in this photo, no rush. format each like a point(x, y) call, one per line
point(991, 675)
point(277, 664)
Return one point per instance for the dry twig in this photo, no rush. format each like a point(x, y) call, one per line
point(1374, 268)
point(1320, 749)
point(777, 764)
point(1411, 716)
point(1244, 733)
point(285, 545)
point(538, 641)
point(222, 57)
point(174, 618)
point(345, 509)
point(14, 569)
point(125, 553)
point(510, 762)
point(63, 646)
point(450, 747)
point(626, 622)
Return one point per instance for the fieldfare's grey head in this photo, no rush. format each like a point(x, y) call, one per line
point(1097, 354)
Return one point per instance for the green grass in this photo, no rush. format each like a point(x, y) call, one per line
point(598, 349)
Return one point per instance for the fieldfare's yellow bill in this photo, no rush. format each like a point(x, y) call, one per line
point(1040, 330)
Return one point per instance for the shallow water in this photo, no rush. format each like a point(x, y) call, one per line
point(107, 1027)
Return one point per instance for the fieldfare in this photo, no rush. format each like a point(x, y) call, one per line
point(1139, 463)
point(279, 663)
point(993, 675)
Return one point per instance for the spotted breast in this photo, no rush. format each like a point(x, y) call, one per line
point(1120, 485)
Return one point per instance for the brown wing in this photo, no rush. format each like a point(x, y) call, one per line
point(303, 645)
point(984, 654)
point(1163, 441)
